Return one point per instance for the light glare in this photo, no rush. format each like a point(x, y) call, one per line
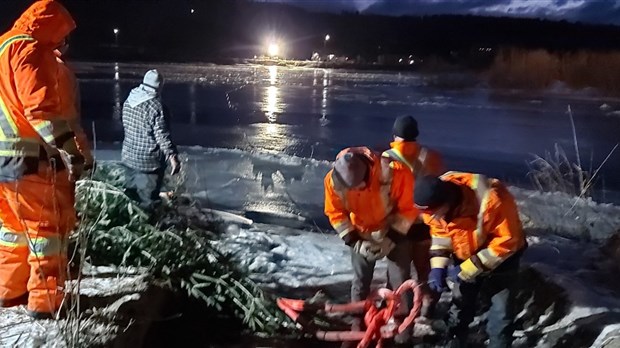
point(273, 49)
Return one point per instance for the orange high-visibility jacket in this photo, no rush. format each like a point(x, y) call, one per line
point(69, 94)
point(385, 202)
point(486, 230)
point(29, 103)
point(419, 159)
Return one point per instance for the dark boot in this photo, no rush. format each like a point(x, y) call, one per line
point(40, 315)
point(457, 342)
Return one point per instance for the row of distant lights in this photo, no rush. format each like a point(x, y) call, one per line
point(485, 49)
point(411, 60)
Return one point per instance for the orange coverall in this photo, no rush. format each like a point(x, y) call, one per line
point(36, 208)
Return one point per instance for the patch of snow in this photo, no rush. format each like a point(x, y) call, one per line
point(609, 338)
point(568, 216)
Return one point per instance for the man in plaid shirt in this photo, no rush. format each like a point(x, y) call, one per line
point(147, 144)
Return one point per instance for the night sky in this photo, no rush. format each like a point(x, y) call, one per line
point(591, 11)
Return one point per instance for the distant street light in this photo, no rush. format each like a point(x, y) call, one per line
point(116, 36)
point(327, 37)
point(191, 10)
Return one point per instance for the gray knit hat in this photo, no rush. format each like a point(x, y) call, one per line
point(350, 170)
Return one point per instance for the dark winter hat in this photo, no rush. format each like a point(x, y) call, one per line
point(350, 170)
point(430, 192)
point(406, 127)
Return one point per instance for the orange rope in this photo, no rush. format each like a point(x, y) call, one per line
point(377, 320)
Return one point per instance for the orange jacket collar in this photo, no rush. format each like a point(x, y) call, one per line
point(409, 149)
point(47, 21)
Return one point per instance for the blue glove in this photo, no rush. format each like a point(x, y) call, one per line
point(453, 274)
point(437, 280)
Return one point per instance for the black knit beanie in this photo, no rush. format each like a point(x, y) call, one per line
point(430, 192)
point(406, 127)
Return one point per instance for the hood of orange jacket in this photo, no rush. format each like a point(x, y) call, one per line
point(409, 149)
point(46, 21)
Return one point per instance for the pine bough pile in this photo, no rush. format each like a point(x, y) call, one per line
point(177, 251)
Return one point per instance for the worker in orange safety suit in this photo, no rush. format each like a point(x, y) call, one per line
point(36, 207)
point(421, 161)
point(475, 225)
point(368, 202)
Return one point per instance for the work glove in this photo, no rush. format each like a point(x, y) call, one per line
point(89, 169)
point(437, 280)
point(351, 238)
point(369, 250)
point(453, 274)
point(384, 241)
point(175, 164)
point(73, 159)
point(386, 246)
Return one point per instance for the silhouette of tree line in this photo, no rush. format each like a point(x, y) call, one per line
point(168, 30)
point(511, 49)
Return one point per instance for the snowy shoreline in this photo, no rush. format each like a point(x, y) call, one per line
point(270, 203)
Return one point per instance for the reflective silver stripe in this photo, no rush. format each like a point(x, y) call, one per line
point(7, 124)
point(42, 247)
point(12, 239)
point(441, 243)
point(394, 154)
point(19, 147)
point(417, 168)
point(21, 37)
point(489, 259)
point(7, 128)
point(422, 155)
point(343, 228)
point(439, 262)
point(385, 191)
point(481, 186)
point(50, 131)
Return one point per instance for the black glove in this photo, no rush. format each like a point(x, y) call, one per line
point(419, 231)
point(395, 236)
point(351, 238)
point(90, 166)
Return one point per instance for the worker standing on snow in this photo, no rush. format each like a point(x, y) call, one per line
point(368, 202)
point(36, 207)
point(147, 144)
point(474, 223)
point(420, 161)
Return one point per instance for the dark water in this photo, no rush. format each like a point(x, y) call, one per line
point(316, 112)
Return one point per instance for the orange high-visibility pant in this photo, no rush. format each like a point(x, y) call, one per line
point(37, 213)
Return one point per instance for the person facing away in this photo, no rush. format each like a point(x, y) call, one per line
point(420, 161)
point(36, 202)
point(474, 224)
point(147, 145)
point(368, 202)
point(405, 148)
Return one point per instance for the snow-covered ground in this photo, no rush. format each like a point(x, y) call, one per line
point(290, 249)
point(272, 204)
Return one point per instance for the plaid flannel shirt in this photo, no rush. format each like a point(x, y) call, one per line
point(147, 142)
